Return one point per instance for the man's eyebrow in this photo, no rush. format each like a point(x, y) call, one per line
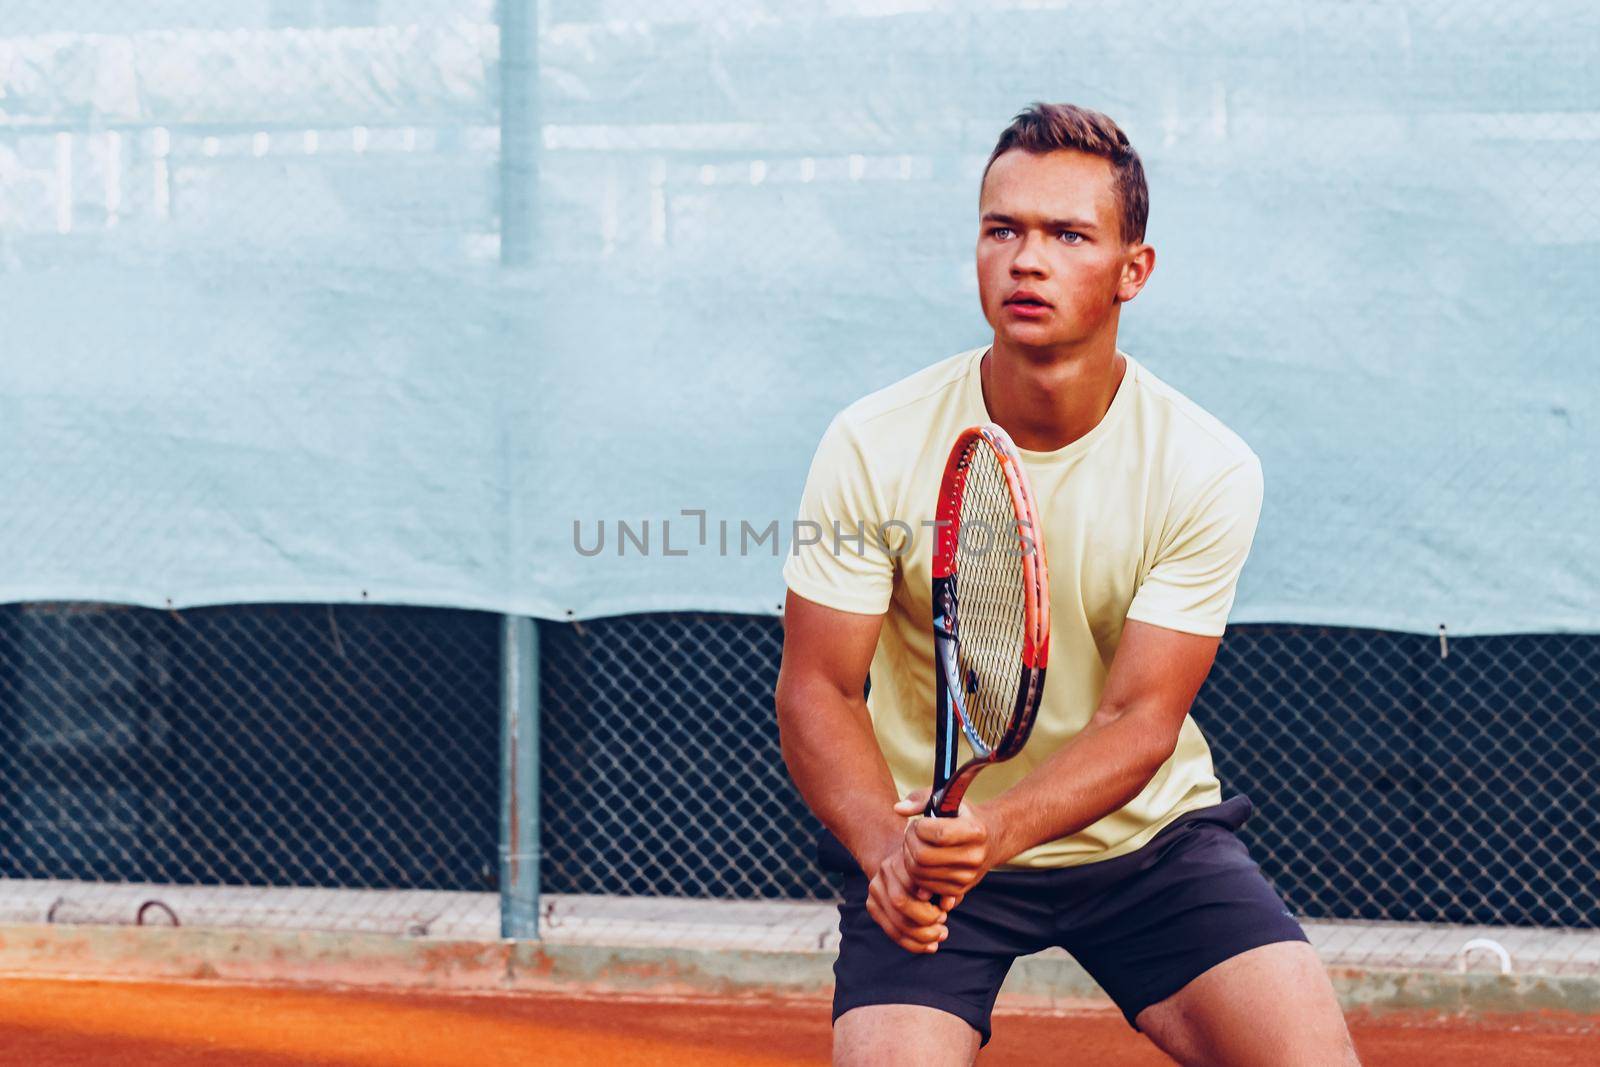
point(1053, 224)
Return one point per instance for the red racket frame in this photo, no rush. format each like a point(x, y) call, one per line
point(949, 782)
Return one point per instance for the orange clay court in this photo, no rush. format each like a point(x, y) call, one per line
point(57, 1023)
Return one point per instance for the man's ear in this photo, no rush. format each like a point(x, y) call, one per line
point(1135, 272)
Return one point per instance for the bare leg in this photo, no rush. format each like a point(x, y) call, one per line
point(891, 1035)
point(1267, 1007)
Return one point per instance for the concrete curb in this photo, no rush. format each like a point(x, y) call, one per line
point(1049, 982)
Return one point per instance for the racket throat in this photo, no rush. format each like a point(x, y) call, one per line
point(945, 803)
point(950, 784)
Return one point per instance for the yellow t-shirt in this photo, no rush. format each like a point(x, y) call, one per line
point(1149, 516)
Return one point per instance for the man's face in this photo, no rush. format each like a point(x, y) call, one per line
point(1051, 258)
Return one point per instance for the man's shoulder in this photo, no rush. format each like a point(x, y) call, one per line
point(1189, 429)
point(911, 397)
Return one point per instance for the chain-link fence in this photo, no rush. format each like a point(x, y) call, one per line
point(661, 766)
point(1396, 777)
point(321, 746)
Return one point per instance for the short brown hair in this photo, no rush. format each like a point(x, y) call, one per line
point(1056, 127)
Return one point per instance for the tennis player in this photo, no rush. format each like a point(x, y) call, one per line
point(1109, 835)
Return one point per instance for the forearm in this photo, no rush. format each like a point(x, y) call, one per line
point(833, 757)
point(1099, 771)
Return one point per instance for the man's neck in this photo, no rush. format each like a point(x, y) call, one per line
point(1047, 400)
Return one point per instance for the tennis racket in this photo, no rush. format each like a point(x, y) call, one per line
point(991, 612)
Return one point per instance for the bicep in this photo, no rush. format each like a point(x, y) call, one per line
point(824, 646)
point(1156, 674)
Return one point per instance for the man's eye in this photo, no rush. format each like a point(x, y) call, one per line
point(1000, 231)
point(1072, 237)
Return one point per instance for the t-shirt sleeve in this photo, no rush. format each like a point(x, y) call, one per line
point(1192, 583)
point(837, 558)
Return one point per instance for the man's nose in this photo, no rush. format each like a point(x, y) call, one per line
point(1028, 259)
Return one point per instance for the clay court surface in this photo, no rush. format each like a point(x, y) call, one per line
point(51, 1023)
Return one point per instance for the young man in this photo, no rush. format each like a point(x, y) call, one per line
point(1108, 835)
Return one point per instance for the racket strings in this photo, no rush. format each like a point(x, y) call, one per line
point(989, 591)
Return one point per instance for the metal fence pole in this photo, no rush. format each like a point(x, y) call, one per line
point(519, 671)
point(519, 777)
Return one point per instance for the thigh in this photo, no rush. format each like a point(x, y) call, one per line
point(887, 1035)
point(1197, 901)
point(991, 928)
point(1263, 1008)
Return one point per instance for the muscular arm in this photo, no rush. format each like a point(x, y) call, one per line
point(835, 761)
point(827, 736)
point(1152, 682)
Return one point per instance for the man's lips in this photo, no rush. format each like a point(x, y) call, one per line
point(1026, 304)
point(1026, 296)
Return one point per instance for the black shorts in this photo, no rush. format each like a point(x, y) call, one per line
point(1143, 925)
